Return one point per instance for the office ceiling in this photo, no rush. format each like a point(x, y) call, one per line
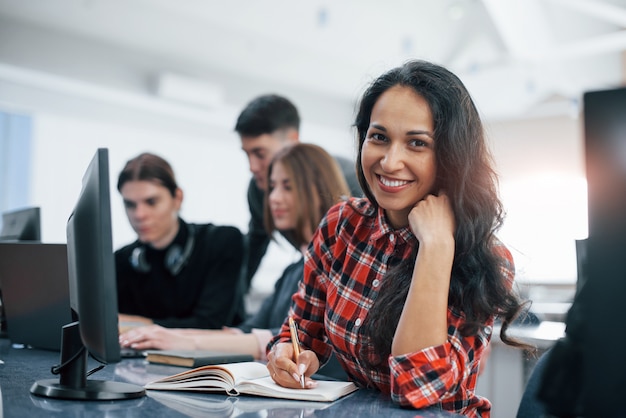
point(518, 57)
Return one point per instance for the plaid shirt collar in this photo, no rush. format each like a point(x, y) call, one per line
point(384, 227)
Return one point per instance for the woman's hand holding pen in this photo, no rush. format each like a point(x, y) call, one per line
point(286, 372)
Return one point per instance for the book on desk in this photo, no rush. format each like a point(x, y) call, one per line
point(247, 378)
point(194, 358)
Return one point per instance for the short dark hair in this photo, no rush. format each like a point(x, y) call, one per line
point(148, 167)
point(266, 114)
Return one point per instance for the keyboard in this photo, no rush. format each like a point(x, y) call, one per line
point(126, 352)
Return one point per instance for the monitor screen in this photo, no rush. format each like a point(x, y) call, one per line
point(577, 382)
point(91, 266)
point(93, 295)
point(602, 296)
point(21, 225)
point(605, 157)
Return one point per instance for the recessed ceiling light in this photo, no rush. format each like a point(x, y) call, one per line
point(322, 17)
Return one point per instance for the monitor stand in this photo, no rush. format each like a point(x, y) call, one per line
point(73, 382)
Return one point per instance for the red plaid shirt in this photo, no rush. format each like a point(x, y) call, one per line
point(344, 268)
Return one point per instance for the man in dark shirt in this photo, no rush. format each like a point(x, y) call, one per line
point(267, 124)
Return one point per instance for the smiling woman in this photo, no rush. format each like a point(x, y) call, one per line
point(403, 286)
point(398, 154)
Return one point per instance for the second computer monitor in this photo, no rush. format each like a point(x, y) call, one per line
point(21, 225)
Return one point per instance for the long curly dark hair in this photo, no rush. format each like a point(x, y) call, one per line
point(465, 171)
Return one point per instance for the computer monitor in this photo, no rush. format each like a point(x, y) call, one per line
point(21, 225)
point(18, 225)
point(93, 296)
point(604, 293)
point(577, 380)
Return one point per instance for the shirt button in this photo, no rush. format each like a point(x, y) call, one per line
point(376, 282)
point(488, 330)
point(357, 322)
point(392, 237)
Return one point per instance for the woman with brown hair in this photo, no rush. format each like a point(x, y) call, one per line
point(404, 285)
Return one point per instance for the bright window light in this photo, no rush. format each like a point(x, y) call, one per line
point(545, 214)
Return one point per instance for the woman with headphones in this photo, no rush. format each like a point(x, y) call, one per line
point(175, 274)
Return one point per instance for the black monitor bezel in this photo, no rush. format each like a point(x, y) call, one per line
point(93, 297)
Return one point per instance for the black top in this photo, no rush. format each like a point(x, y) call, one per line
point(275, 307)
point(206, 293)
point(257, 239)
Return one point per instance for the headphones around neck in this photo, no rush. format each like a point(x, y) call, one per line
point(175, 258)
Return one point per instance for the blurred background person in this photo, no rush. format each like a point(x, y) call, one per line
point(176, 274)
point(304, 182)
point(267, 124)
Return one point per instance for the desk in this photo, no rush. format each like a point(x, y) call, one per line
point(24, 366)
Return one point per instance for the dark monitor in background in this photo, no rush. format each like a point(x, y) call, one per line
point(582, 371)
point(604, 295)
point(93, 296)
point(21, 225)
point(35, 294)
point(18, 225)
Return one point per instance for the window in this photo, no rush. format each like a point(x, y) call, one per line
point(15, 143)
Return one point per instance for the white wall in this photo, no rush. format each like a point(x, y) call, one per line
point(539, 161)
point(84, 94)
point(543, 187)
point(211, 171)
